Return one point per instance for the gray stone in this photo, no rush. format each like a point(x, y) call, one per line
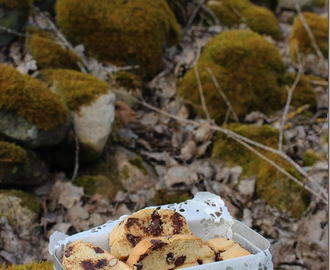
point(17, 128)
point(31, 173)
point(180, 175)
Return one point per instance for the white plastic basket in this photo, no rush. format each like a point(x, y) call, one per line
point(207, 217)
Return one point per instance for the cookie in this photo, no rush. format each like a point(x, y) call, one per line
point(225, 249)
point(206, 255)
point(234, 251)
point(145, 223)
point(165, 253)
point(81, 255)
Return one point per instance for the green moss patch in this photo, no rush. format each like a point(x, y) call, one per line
point(12, 153)
point(17, 4)
point(310, 157)
point(30, 98)
point(50, 54)
point(234, 12)
point(76, 88)
point(45, 265)
point(121, 32)
point(300, 39)
point(271, 185)
point(98, 184)
point(248, 69)
point(27, 200)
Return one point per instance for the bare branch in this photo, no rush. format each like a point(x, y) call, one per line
point(11, 31)
point(76, 162)
point(217, 86)
point(201, 94)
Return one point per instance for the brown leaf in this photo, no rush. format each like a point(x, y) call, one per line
point(124, 113)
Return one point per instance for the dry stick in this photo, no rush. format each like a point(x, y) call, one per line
point(245, 140)
point(216, 84)
point(11, 31)
point(286, 109)
point(201, 94)
point(76, 162)
point(309, 32)
point(192, 17)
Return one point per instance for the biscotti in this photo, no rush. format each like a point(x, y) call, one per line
point(225, 249)
point(145, 223)
point(163, 253)
point(81, 255)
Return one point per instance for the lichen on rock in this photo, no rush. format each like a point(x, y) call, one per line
point(271, 185)
point(31, 99)
point(234, 12)
point(248, 69)
point(121, 32)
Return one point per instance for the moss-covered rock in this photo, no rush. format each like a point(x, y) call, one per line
point(303, 93)
point(271, 185)
point(310, 157)
point(300, 39)
point(44, 265)
point(234, 12)
point(31, 99)
point(249, 70)
point(13, 15)
point(99, 184)
point(50, 54)
point(19, 207)
point(121, 32)
point(10, 152)
point(75, 87)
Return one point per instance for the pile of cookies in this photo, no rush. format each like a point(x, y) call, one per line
point(150, 239)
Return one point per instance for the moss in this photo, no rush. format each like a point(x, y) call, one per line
point(125, 172)
point(50, 54)
point(31, 99)
point(303, 92)
point(310, 157)
point(12, 153)
point(17, 4)
point(234, 12)
point(300, 39)
point(27, 200)
point(98, 184)
point(45, 265)
point(138, 162)
point(163, 196)
point(128, 80)
point(77, 88)
point(122, 32)
point(319, 3)
point(271, 185)
point(249, 70)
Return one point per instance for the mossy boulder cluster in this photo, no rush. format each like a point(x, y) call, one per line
point(248, 69)
point(121, 32)
point(271, 185)
point(235, 12)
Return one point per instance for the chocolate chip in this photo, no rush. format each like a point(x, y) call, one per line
point(133, 239)
point(87, 265)
point(68, 252)
point(170, 258)
point(142, 256)
point(155, 228)
point(200, 261)
point(218, 256)
point(98, 250)
point(131, 221)
point(177, 223)
point(157, 244)
point(138, 266)
point(180, 260)
point(101, 263)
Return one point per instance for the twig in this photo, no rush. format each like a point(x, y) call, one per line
point(286, 109)
point(76, 162)
point(201, 94)
point(11, 31)
point(309, 32)
point(192, 17)
point(323, 197)
point(216, 84)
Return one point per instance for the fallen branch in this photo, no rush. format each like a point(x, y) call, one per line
point(11, 31)
point(76, 160)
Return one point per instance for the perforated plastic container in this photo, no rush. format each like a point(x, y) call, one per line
point(207, 217)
